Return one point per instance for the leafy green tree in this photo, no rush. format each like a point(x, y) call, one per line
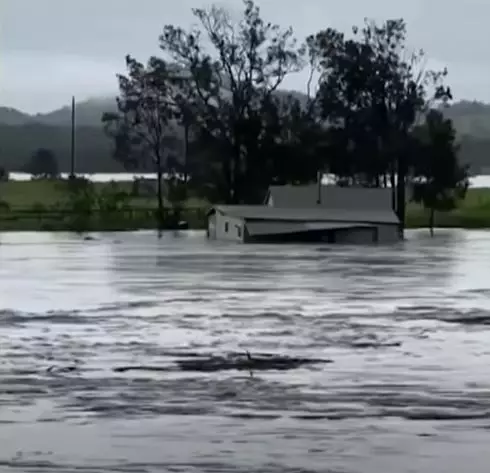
point(299, 143)
point(42, 164)
point(372, 93)
point(231, 89)
point(142, 127)
point(439, 180)
point(219, 83)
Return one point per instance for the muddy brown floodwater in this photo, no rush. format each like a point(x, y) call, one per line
point(119, 354)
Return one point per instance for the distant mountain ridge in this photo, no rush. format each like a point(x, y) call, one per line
point(469, 117)
point(21, 134)
point(88, 113)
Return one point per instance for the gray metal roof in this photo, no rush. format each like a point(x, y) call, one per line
point(316, 214)
point(355, 198)
point(266, 227)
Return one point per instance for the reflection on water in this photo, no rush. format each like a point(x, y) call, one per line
point(407, 328)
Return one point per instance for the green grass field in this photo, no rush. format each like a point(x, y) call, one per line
point(23, 195)
point(472, 212)
point(38, 205)
point(21, 201)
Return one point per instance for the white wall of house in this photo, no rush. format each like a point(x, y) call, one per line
point(226, 228)
point(211, 230)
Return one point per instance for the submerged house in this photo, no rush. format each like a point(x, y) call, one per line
point(310, 213)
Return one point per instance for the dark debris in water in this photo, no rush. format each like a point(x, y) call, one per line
point(451, 316)
point(470, 320)
point(363, 345)
point(63, 369)
point(194, 362)
point(247, 363)
point(240, 362)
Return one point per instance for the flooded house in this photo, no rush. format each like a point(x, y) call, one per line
point(312, 213)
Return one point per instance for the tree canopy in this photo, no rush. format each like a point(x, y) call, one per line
point(228, 90)
point(362, 123)
point(141, 127)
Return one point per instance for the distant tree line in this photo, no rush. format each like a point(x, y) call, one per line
point(372, 116)
point(94, 148)
point(42, 164)
point(19, 138)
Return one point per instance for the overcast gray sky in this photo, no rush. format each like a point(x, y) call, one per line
point(51, 49)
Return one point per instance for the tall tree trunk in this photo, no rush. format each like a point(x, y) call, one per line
point(234, 180)
point(393, 187)
point(161, 209)
point(432, 216)
point(236, 174)
point(186, 157)
point(226, 162)
point(400, 189)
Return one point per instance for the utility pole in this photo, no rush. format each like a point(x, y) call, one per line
point(319, 176)
point(72, 155)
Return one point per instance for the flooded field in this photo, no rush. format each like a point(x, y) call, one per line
point(118, 354)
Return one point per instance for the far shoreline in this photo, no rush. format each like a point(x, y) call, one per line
point(40, 205)
point(478, 181)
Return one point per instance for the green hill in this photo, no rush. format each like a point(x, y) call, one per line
point(21, 134)
point(18, 142)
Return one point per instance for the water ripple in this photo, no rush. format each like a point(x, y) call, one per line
point(129, 353)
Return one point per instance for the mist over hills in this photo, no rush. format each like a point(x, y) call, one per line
point(22, 133)
point(89, 113)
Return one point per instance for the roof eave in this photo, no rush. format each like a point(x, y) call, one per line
point(212, 211)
